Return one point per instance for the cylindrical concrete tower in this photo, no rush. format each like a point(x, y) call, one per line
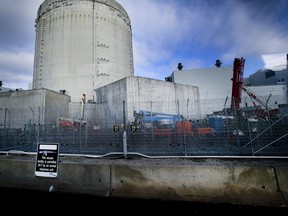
point(81, 45)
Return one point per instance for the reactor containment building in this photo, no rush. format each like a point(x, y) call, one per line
point(81, 45)
point(84, 70)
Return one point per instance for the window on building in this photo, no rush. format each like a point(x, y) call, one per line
point(269, 73)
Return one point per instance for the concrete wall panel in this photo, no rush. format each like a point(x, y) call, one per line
point(238, 185)
point(226, 181)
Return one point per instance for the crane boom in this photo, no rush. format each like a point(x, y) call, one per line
point(253, 96)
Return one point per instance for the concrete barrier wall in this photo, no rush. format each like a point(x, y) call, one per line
point(166, 179)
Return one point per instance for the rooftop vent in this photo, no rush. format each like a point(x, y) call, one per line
point(180, 66)
point(62, 91)
point(218, 63)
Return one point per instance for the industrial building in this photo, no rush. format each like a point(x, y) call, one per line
point(141, 93)
point(84, 86)
point(269, 81)
point(83, 54)
point(269, 85)
point(204, 77)
point(83, 70)
point(81, 46)
point(20, 109)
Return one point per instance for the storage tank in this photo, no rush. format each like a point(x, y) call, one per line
point(81, 45)
point(217, 123)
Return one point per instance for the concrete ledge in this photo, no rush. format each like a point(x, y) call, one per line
point(257, 182)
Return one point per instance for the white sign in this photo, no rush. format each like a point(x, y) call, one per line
point(47, 160)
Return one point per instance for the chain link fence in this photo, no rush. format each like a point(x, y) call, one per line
point(210, 127)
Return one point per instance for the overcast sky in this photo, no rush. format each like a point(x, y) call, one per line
point(165, 33)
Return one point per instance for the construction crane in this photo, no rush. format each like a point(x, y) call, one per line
point(237, 87)
point(162, 124)
point(237, 82)
point(254, 97)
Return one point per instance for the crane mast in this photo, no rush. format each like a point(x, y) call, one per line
point(237, 82)
point(238, 87)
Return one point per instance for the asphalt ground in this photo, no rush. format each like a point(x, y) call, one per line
point(43, 203)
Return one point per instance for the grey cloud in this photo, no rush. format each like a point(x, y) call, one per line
point(17, 23)
point(16, 69)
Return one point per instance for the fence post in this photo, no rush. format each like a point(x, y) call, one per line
point(124, 132)
point(125, 143)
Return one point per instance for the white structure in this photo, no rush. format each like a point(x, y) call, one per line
point(270, 84)
point(44, 107)
point(212, 82)
point(32, 107)
point(84, 47)
point(139, 93)
point(81, 46)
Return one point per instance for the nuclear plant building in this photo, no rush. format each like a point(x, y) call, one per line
point(192, 136)
point(84, 71)
point(81, 46)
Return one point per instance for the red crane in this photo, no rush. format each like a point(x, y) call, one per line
point(237, 87)
point(237, 82)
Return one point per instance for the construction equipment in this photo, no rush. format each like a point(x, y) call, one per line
point(161, 124)
point(68, 123)
point(254, 97)
point(237, 87)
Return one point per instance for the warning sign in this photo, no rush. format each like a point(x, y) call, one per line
point(47, 160)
